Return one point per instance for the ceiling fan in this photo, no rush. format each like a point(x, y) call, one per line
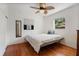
point(44, 7)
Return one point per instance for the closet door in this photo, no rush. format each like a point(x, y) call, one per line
point(77, 42)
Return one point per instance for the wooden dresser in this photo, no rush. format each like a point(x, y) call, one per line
point(77, 42)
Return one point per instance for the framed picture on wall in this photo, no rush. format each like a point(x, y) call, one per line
point(25, 27)
point(28, 27)
point(60, 23)
point(32, 27)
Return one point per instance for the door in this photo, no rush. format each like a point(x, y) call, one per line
point(77, 42)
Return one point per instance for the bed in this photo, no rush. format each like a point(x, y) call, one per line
point(40, 40)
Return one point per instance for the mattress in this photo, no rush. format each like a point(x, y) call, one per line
point(37, 40)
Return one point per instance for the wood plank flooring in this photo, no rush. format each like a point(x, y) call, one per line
point(25, 49)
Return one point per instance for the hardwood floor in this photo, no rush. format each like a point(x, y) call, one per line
point(25, 49)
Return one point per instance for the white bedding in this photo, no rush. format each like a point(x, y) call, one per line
point(37, 40)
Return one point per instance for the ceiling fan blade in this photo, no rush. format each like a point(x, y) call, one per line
point(34, 7)
point(45, 12)
point(40, 4)
point(44, 7)
point(50, 7)
point(37, 12)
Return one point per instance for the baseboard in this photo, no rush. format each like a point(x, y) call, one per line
point(2, 51)
point(17, 41)
point(68, 46)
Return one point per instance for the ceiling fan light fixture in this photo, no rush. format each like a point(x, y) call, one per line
point(45, 12)
point(42, 11)
point(43, 8)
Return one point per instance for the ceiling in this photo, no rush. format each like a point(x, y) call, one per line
point(58, 6)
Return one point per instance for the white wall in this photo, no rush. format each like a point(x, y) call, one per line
point(21, 12)
point(3, 27)
point(41, 24)
point(71, 24)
